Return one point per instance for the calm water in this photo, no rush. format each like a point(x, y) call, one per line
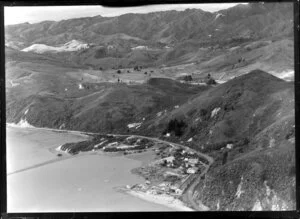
point(84, 183)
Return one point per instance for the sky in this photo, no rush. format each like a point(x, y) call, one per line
point(35, 14)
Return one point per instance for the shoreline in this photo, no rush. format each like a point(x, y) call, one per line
point(87, 134)
point(165, 200)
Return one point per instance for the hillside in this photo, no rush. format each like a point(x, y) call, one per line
point(55, 95)
point(210, 42)
point(220, 83)
point(246, 150)
point(170, 25)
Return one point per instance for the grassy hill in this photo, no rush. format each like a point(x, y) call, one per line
point(125, 82)
point(57, 95)
point(262, 33)
point(247, 125)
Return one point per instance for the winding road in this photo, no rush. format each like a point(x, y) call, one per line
point(188, 193)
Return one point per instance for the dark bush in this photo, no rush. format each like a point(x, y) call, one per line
point(290, 134)
point(264, 176)
point(203, 112)
point(119, 71)
point(188, 78)
point(211, 81)
point(193, 129)
point(225, 156)
point(175, 126)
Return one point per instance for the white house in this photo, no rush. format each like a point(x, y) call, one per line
point(229, 146)
point(192, 170)
point(178, 191)
point(193, 161)
point(170, 159)
point(164, 184)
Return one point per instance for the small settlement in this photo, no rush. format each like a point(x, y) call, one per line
point(170, 170)
point(170, 173)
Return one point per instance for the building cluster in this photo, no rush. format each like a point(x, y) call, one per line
point(163, 188)
point(186, 162)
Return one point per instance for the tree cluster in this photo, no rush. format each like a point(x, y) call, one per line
point(176, 127)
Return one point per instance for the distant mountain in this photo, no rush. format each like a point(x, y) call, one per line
point(103, 74)
point(168, 38)
point(171, 27)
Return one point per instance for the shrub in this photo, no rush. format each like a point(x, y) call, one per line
point(225, 156)
point(188, 78)
point(211, 81)
point(193, 129)
point(203, 112)
point(176, 126)
point(119, 71)
point(264, 176)
point(290, 134)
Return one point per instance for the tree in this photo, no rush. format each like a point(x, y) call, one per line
point(176, 126)
point(211, 81)
point(119, 71)
point(224, 159)
point(188, 78)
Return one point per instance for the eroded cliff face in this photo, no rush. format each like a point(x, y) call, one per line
point(262, 180)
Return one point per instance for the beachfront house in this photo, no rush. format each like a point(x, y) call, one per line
point(192, 170)
point(176, 189)
point(169, 159)
point(164, 184)
point(193, 162)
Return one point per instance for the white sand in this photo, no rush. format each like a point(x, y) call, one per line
point(84, 183)
point(163, 199)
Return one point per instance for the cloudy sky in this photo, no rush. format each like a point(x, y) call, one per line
point(15, 15)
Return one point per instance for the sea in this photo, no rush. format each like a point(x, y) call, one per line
point(40, 181)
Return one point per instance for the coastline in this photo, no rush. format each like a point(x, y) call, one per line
point(81, 133)
point(165, 200)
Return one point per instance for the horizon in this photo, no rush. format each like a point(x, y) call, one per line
point(37, 14)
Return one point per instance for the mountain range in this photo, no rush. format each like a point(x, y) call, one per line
point(103, 74)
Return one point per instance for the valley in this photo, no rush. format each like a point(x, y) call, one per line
point(198, 105)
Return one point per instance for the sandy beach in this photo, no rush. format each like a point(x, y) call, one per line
point(163, 199)
point(85, 183)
